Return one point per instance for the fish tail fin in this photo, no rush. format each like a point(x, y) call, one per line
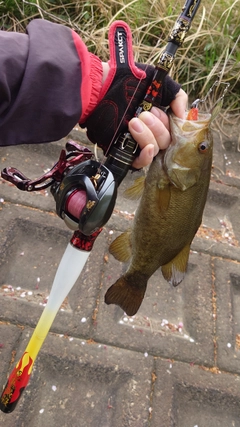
point(126, 294)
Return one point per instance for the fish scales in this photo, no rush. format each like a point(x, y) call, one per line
point(169, 213)
point(173, 223)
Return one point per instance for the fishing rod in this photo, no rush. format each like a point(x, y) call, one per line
point(124, 150)
point(95, 184)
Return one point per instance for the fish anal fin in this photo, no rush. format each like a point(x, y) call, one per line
point(175, 270)
point(121, 248)
point(126, 294)
point(135, 191)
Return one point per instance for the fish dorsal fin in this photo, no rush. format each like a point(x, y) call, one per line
point(135, 191)
point(175, 270)
point(121, 247)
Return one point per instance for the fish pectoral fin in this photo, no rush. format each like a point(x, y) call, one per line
point(126, 294)
point(175, 270)
point(135, 191)
point(121, 247)
point(163, 198)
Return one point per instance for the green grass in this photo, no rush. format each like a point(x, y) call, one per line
point(211, 49)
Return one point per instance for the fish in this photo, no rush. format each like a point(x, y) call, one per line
point(173, 197)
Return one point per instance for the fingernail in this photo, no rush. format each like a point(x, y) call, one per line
point(137, 125)
point(148, 119)
point(151, 151)
point(157, 112)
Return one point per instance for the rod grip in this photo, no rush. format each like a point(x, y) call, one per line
point(121, 156)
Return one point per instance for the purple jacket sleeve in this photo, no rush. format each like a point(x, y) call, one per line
point(40, 84)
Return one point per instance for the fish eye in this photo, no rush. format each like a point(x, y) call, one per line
point(203, 147)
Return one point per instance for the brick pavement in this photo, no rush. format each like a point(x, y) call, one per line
point(176, 363)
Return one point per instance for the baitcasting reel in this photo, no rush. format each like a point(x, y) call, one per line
point(86, 196)
point(85, 191)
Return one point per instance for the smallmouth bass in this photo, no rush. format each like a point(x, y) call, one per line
point(169, 214)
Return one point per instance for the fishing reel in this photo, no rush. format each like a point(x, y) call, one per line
point(85, 197)
point(84, 190)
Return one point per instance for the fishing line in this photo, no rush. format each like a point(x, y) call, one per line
point(128, 106)
point(125, 113)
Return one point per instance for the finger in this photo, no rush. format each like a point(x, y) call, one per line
point(145, 157)
point(151, 134)
point(161, 116)
point(157, 127)
point(144, 137)
point(142, 134)
point(179, 104)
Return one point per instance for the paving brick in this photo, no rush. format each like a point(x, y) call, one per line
point(227, 286)
point(155, 328)
point(227, 155)
point(33, 161)
point(78, 383)
point(33, 271)
point(222, 211)
point(10, 336)
point(120, 379)
point(190, 396)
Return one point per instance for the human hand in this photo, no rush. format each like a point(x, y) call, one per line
point(151, 129)
point(124, 85)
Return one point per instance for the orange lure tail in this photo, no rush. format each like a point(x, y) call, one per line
point(193, 114)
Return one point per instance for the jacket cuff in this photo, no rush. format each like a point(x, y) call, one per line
point(94, 77)
point(91, 77)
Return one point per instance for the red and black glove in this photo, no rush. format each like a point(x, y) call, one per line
point(123, 90)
